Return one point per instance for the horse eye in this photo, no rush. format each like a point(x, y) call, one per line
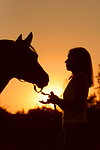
point(35, 55)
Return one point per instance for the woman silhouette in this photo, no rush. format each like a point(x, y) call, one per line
point(77, 133)
point(74, 99)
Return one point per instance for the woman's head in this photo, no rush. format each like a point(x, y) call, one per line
point(79, 60)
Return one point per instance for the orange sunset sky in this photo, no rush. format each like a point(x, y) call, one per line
point(57, 25)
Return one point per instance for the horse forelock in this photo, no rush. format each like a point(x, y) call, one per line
point(33, 49)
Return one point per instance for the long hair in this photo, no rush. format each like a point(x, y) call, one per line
point(83, 62)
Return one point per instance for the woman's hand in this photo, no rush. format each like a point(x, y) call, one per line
point(52, 99)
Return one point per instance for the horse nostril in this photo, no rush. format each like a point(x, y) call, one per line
point(45, 81)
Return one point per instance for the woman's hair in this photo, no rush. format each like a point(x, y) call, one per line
point(83, 62)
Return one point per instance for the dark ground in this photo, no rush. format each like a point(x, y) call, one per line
point(39, 130)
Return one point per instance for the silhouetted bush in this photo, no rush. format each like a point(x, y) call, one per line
point(38, 129)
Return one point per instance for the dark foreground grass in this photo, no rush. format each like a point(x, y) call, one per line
point(35, 130)
point(38, 129)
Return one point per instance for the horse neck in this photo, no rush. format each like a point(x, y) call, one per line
point(6, 75)
point(3, 82)
point(6, 70)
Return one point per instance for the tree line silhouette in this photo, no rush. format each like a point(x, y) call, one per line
point(34, 130)
point(38, 129)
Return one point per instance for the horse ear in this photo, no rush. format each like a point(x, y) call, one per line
point(29, 38)
point(19, 38)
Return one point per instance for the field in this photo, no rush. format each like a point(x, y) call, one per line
point(38, 129)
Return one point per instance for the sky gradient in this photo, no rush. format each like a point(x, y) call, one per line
point(57, 25)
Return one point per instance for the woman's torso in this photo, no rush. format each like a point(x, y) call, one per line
point(74, 115)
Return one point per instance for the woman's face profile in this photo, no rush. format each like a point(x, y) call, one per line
point(70, 63)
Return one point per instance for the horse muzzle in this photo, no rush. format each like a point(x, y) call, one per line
point(42, 81)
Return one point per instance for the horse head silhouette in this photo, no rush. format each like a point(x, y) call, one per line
point(18, 59)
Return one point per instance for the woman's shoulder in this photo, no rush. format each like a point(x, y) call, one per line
point(80, 78)
point(80, 75)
